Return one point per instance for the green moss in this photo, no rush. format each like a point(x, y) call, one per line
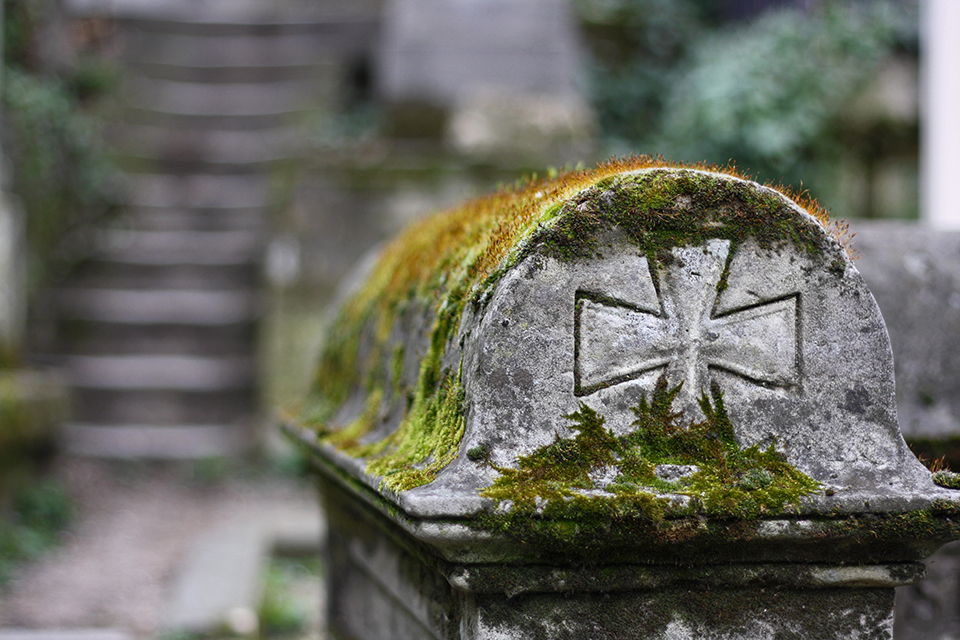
point(661, 210)
point(558, 482)
point(426, 442)
point(452, 260)
point(947, 479)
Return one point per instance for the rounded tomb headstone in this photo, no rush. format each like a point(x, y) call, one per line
point(635, 338)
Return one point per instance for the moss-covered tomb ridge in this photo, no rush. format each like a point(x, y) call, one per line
point(446, 263)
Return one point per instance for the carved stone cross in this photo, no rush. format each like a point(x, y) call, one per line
point(680, 331)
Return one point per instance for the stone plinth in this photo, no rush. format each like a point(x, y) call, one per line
point(637, 402)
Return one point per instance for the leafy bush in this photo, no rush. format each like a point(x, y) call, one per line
point(770, 94)
point(41, 512)
point(59, 170)
point(58, 167)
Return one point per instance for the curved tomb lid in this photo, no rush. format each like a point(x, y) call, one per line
point(648, 335)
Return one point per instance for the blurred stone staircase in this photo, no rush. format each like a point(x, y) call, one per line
point(159, 327)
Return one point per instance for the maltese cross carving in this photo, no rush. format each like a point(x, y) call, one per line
point(682, 335)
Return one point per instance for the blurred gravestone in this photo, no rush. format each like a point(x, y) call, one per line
point(433, 49)
point(502, 74)
point(914, 273)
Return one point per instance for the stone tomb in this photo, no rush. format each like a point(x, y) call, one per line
point(637, 402)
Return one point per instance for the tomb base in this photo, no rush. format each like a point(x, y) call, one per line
point(385, 584)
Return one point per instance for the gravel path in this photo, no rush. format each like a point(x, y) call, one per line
point(134, 523)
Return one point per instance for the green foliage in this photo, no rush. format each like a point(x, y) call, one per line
point(60, 171)
point(41, 512)
point(281, 612)
point(636, 47)
point(771, 94)
point(52, 139)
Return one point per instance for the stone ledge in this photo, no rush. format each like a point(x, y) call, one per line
point(219, 583)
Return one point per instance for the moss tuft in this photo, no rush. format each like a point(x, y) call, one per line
point(947, 479)
point(597, 475)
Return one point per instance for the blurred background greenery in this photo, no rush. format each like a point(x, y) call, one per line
point(820, 94)
point(53, 98)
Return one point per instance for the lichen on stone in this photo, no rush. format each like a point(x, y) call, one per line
point(407, 422)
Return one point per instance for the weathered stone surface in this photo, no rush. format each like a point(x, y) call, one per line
point(914, 273)
point(433, 50)
point(381, 589)
point(782, 325)
point(533, 409)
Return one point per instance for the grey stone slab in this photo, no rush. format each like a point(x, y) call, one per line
point(435, 49)
point(220, 581)
point(220, 576)
point(721, 303)
point(160, 306)
point(794, 339)
point(150, 441)
point(381, 589)
point(914, 273)
point(169, 372)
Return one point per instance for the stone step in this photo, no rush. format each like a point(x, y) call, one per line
point(154, 147)
point(324, 73)
point(178, 247)
point(152, 307)
point(276, 52)
point(106, 274)
point(16, 633)
point(282, 99)
point(173, 441)
point(145, 217)
point(218, 18)
point(99, 337)
point(159, 372)
point(158, 406)
point(194, 121)
point(207, 192)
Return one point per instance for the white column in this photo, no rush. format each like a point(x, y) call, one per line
point(940, 116)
